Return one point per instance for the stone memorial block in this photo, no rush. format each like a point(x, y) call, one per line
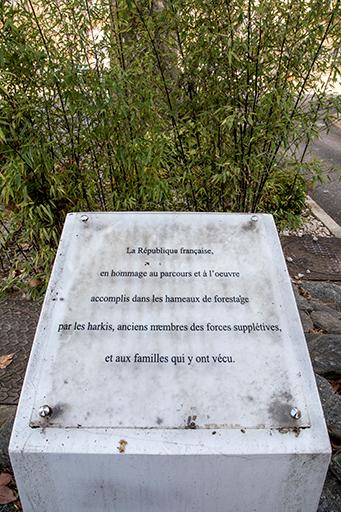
point(169, 373)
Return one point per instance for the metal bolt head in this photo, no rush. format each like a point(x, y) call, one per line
point(295, 413)
point(84, 218)
point(45, 411)
point(254, 218)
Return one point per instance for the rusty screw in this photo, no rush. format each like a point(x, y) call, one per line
point(295, 413)
point(45, 411)
point(84, 218)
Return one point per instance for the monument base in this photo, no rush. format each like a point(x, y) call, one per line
point(168, 471)
point(169, 373)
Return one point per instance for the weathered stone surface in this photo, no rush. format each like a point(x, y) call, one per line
point(335, 465)
point(311, 337)
point(306, 321)
point(331, 403)
point(7, 508)
point(317, 305)
point(303, 303)
point(7, 413)
point(328, 322)
point(329, 293)
point(325, 353)
point(331, 496)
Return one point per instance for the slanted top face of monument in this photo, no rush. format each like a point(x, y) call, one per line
point(166, 320)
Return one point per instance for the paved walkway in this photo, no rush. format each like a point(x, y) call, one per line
point(328, 149)
point(18, 321)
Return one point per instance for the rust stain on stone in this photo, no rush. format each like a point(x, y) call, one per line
point(122, 446)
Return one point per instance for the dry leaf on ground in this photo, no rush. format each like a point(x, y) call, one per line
point(34, 283)
point(5, 479)
point(6, 360)
point(6, 494)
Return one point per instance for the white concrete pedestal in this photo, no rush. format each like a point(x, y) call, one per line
point(172, 358)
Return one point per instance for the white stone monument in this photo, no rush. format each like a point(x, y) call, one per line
point(169, 373)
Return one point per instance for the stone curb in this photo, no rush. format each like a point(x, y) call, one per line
point(323, 216)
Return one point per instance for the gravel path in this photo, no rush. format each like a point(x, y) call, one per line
point(310, 226)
